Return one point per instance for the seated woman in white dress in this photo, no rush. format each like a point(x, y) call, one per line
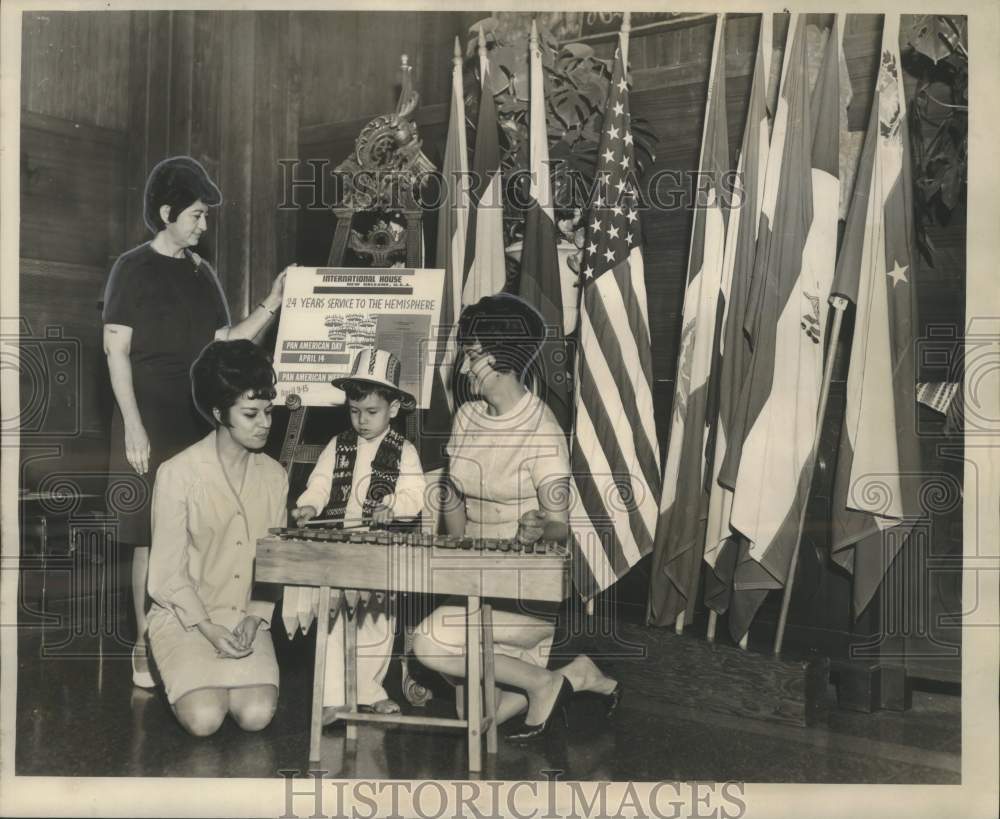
point(509, 476)
point(208, 631)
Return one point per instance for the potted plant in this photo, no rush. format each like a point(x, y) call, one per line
point(936, 54)
point(576, 84)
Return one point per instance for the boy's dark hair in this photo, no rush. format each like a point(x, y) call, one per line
point(507, 327)
point(226, 370)
point(177, 182)
point(360, 390)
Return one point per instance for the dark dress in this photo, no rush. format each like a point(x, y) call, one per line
point(174, 306)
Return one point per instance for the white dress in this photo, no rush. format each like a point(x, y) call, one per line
point(498, 463)
point(201, 566)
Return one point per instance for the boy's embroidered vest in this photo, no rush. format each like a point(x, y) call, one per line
point(385, 473)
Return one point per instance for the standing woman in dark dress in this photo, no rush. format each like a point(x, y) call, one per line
point(162, 305)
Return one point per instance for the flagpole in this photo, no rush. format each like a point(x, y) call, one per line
point(483, 58)
point(623, 36)
point(716, 45)
point(839, 304)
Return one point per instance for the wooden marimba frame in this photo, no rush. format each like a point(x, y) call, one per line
point(341, 563)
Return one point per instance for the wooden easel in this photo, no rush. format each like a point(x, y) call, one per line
point(293, 451)
point(387, 151)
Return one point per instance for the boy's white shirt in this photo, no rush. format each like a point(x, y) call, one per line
point(406, 502)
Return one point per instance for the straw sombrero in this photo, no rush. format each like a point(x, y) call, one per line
point(380, 367)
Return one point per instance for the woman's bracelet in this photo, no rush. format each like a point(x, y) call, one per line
point(269, 310)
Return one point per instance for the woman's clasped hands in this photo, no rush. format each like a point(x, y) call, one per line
point(231, 644)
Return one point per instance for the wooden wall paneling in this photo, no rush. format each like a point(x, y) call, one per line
point(136, 166)
point(272, 85)
point(432, 58)
point(236, 155)
point(157, 100)
point(182, 77)
point(206, 92)
point(72, 191)
point(326, 36)
point(205, 117)
point(287, 217)
point(62, 297)
point(350, 60)
point(76, 66)
point(376, 85)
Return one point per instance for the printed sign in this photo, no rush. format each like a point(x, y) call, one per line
point(330, 313)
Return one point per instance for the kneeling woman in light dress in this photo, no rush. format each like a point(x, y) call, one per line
point(509, 471)
point(208, 630)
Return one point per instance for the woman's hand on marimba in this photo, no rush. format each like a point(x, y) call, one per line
point(531, 526)
point(303, 514)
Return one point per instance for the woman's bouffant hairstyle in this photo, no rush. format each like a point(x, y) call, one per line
point(178, 182)
point(226, 370)
point(507, 327)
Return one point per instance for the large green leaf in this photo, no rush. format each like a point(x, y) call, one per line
point(936, 37)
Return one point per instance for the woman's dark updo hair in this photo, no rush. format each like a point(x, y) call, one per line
point(179, 182)
point(226, 370)
point(507, 327)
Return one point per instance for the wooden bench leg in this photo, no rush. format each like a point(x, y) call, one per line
point(319, 673)
point(474, 707)
point(489, 680)
point(351, 668)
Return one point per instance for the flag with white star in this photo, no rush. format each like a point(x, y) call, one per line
point(877, 484)
point(615, 452)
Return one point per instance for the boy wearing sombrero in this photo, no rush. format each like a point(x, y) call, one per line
point(368, 475)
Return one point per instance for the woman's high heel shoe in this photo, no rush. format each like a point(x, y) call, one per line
point(611, 700)
point(531, 731)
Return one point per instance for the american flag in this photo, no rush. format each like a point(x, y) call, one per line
point(615, 453)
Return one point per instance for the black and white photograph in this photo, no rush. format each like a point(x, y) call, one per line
point(484, 410)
